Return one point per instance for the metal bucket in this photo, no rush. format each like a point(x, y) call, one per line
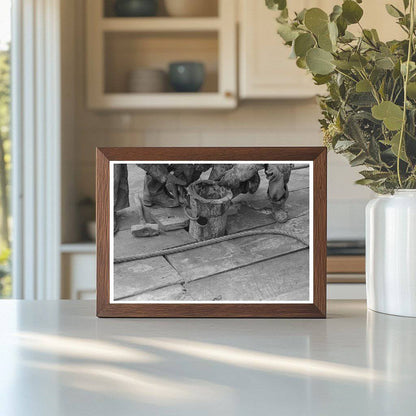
point(209, 203)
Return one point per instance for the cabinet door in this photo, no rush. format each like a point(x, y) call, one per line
point(265, 68)
point(376, 17)
point(78, 276)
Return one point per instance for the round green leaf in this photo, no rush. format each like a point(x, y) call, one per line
point(391, 114)
point(343, 65)
point(393, 11)
point(333, 32)
point(394, 144)
point(319, 61)
point(286, 32)
point(300, 16)
point(316, 20)
point(301, 63)
point(336, 12)
point(303, 43)
point(351, 11)
point(276, 4)
point(324, 42)
point(342, 25)
point(358, 61)
point(375, 35)
point(321, 79)
point(363, 86)
point(328, 40)
point(411, 90)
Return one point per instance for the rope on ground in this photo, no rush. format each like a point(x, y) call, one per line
point(192, 246)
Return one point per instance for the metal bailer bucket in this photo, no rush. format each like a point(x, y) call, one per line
point(209, 203)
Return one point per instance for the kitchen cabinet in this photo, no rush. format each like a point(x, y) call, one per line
point(265, 70)
point(78, 271)
point(118, 45)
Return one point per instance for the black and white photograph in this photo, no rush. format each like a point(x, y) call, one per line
point(211, 232)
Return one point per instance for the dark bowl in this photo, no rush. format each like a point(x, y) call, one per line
point(136, 8)
point(186, 76)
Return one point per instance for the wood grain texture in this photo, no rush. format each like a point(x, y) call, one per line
point(319, 229)
point(234, 254)
point(317, 309)
point(270, 280)
point(153, 274)
point(103, 231)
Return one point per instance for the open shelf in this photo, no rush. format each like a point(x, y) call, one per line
point(130, 101)
point(80, 247)
point(127, 51)
point(160, 24)
point(116, 46)
point(108, 9)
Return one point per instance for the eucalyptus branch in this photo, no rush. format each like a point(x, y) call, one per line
point(346, 75)
point(369, 41)
point(398, 95)
point(364, 109)
point(406, 80)
point(373, 89)
point(392, 90)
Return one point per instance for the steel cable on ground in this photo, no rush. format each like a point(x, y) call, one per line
point(192, 246)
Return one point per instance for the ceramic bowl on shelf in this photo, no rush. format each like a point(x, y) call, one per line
point(191, 8)
point(186, 76)
point(147, 80)
point(135, 8)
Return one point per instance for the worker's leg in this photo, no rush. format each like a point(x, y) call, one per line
point(278, 191)
point(121, 190)
point(155, 192)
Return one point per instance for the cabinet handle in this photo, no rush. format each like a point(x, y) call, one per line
point(228, 94)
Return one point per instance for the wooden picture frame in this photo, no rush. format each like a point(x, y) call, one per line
point(315, 308)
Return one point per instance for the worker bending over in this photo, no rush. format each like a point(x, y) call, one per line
point(165, 184)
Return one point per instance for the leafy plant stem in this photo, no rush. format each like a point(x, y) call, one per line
point(373, 90)
point(345, 75)
point(406, 80)
point(369, 41)
point(392, 90)
point(398, 95)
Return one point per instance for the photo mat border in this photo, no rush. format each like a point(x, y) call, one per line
point(310, 163)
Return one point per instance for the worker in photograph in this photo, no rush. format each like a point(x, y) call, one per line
point(165, 184)
point(244, 178)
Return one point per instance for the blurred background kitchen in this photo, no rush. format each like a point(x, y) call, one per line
point(180, 73)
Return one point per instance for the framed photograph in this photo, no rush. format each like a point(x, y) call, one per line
point(211, 232)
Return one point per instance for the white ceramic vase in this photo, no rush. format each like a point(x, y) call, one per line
point(391, 253)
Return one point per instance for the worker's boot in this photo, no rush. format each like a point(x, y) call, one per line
point(279, 212)
point(155, 193)
point(278, 191)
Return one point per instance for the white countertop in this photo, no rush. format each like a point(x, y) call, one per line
point(58, 359)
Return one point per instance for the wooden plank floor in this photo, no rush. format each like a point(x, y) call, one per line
point(255, 268)
point(274, 279)
point(233, 254)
